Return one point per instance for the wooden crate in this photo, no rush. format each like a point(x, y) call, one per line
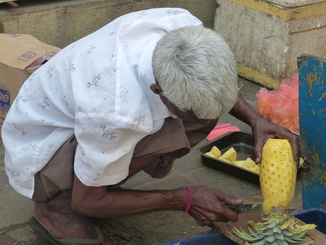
point(268, 37)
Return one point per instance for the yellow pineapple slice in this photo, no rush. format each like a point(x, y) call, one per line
point(248, 163)
point(255, 169)
point(216, 152)
point(278, 172)
point(209, 153)
point(240, 163)
point(229, 156)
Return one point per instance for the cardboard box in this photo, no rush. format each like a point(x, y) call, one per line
point(20, 56)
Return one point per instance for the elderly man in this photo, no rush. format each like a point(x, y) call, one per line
point(134, 95)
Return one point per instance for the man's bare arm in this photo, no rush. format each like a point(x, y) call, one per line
point(244, 112)
point(106, 202)
point(207, 204)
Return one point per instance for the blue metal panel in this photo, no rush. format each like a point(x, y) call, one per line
point(312, 110)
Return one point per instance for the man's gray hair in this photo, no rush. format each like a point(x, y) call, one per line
point(196, 70)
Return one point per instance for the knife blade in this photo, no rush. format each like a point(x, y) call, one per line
point(251, 209)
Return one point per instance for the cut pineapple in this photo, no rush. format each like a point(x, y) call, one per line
point(278, 172)
point(229, 156)
point(216, 152)
point(248, 163)
point(255, 169)
point(240, 163)
point(209, 153)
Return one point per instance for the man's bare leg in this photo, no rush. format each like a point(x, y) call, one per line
point(61, 221)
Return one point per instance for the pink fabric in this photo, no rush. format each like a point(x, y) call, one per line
point(220, 129)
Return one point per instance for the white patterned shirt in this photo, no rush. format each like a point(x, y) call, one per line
point(97, 88)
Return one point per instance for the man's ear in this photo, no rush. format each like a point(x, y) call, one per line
point(156, 88)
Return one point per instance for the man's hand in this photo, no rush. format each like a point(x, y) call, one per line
point(207, 206)
point(263, 129)
point(266, 129)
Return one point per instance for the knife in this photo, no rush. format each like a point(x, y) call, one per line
point(251, 209)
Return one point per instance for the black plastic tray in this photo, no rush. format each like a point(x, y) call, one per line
point(243, 143)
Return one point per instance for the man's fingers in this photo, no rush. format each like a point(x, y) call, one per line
point(225, 198)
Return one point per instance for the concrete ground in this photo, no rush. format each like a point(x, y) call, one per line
point(146, 229)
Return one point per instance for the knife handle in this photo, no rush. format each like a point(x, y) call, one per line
point(232, 207)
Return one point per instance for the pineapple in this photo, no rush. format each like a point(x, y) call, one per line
point(255, 169)
point(278, 229)
point(278, 172)
point(248, 163)
point(209, 153)
point(229, 156)
point(216, 151)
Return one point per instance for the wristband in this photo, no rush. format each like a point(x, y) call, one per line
point(188, 202)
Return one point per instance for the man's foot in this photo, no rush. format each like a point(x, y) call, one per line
point(58, 218)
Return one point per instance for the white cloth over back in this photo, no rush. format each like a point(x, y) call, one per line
point(97, 88)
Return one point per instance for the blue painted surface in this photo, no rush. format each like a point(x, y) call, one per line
point(315, 216)
point(211, 239)
point(312, 111)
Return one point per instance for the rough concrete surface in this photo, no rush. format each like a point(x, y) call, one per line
point(273, 45)
point(61, 22)
point(145, 229)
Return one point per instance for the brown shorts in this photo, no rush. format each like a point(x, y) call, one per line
point(174, 140)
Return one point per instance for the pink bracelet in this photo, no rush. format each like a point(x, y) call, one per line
point(188, 202)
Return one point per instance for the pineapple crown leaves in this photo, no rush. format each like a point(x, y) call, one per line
point(275, 229)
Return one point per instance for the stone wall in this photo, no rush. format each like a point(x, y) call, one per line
point(59, 23)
